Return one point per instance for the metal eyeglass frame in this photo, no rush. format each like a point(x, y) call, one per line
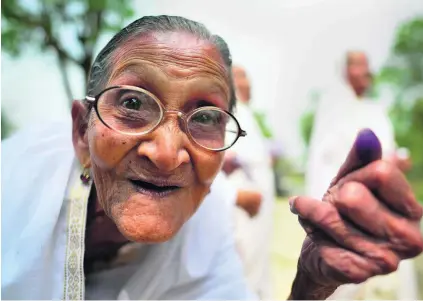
point(185, 117)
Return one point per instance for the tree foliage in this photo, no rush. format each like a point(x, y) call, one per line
point(263, 125)
point(403, 73)
point(7, 126)
point(70, 28)
point(307, 119)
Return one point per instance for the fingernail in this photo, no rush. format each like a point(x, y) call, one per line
point(368, 146)
point(291, 202)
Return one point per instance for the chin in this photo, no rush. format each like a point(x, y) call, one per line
point(147, 231)
point(148, 226)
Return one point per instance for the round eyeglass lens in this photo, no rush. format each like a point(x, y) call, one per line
point(129, 111)
point(213, 128)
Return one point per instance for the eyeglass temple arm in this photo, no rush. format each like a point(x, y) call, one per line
point(89, 99)
point(242, 133)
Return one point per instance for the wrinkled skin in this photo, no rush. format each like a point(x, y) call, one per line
point(184, 72)
point(367, 223)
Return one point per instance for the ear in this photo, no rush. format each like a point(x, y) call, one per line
point(79, 133)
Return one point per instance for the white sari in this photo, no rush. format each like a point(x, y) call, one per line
point(253, 235)
point(44, 207)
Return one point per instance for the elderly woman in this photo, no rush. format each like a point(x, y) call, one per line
point(121, 214)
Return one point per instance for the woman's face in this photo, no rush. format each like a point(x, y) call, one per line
point(358, 72)
point(150, 185)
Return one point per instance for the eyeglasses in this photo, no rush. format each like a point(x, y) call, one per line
point(134, 111)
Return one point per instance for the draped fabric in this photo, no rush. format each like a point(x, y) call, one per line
point(44, 208)
point(340, 116)
point(253, 235)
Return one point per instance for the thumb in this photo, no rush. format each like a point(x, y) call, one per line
point(366, 149)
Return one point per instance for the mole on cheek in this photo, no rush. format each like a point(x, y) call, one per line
point(124, 142)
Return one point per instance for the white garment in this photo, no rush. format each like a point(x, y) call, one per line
point(43, 228)
point(339, 118)
point(253, 235)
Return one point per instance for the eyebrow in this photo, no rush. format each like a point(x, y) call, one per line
point(144, 78)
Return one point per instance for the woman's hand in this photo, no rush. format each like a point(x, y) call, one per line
point(403, 163)
point(250, 201)
point(368, 222)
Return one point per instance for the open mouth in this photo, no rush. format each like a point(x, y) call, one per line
point(153, 189)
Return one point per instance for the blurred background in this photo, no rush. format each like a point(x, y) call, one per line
point(291, 49)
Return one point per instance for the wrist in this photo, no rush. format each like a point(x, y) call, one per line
point(304, 288)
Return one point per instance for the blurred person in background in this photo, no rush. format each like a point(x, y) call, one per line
point(252, 175)
point(275, 150)
point(121, 203)
point(340, 115)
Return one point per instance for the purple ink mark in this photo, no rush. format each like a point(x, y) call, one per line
point(368, 146)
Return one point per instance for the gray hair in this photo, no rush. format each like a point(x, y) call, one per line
point(101, 69)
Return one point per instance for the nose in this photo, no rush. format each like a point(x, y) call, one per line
point(166, 147)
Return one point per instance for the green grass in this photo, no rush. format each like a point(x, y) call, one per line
point(417, 185)
point(286, 245)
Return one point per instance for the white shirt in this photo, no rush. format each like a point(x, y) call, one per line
point(41, 216)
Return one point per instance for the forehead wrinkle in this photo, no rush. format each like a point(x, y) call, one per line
point(141, 71)
point(162, 54)
point(173, 64)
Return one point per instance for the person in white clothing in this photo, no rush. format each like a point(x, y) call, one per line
point(128, 202)
point(340, 115)
point(254, 175)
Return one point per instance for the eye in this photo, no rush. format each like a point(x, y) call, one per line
point(132, 103)
point(207, 117)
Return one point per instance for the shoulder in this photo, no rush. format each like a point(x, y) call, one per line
point(35, 150)
point(37, 140)
point(35, 168)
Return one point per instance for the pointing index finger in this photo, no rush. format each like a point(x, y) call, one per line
point(366, 149)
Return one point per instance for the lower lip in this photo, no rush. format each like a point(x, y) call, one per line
point(154, 193)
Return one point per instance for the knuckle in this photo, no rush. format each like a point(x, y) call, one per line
point(330, 195)
point(382, 170)
point(408, 244)
point(351, 195)
point(385, 260)
point(418, 213)
point(360, 277)
point(391, 266)
point(416, 246)
point(329, 216)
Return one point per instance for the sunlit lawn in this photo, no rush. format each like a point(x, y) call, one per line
point(286, 245)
